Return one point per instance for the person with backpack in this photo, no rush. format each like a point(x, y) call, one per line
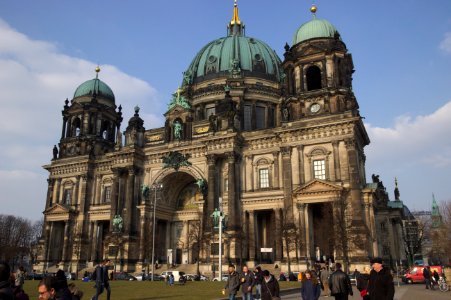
point(100, 276)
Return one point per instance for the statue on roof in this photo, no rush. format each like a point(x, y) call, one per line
point(178, 130)
point(117, 223)
point(179, 99)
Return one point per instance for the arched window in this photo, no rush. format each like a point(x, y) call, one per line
point(313, 78)
point(76, 127)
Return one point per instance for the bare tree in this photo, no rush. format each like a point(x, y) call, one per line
point(415, 232)
point(440, 236)
point(195, 239)
point(290, 235)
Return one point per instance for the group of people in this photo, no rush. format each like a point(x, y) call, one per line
point(11, 284)
point(266, 285)
point(430, 277)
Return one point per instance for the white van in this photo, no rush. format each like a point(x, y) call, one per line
point(177, 275)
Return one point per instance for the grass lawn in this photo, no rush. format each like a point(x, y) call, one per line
point(138, 290)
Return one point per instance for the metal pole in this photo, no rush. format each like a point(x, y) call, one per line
point(220, 239)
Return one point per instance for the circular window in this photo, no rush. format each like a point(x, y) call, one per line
point(212, 58)
point(258, 57)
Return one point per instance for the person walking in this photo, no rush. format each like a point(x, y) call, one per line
point(324, 277)
point(232, 285)
point(101, 278)
point(6, 292)
point(427, 277)
point(362, 283)
point(258, 275)
point(310, 288)
point(20, 277)
point(247, 282)
point(270, 287)
point(380, 283)
point(340, 284)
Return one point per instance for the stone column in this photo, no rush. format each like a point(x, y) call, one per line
point(114, 195)
point(251, 235)
point(301, 165)
point(48, 201)
point(76, 196)
point(245, 235)
point(94, 239)
point(96, 197)
point(66, 239)
point(83, 193)
point(276, 181)
point(278, 234)
point(249, 177)
point(211, 161)
point(56, 187)
point(129, 194)
point(49, 242)
point(335, 145)
point(232, 201)
point(64, 128)
point(287, 181)
point(302, 229)
point(355, 184)
point(142, 237)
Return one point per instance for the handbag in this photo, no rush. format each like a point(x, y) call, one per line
point(272, 297)
point(363, 293)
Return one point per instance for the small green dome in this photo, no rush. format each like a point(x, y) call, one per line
point(235, 52)
point(97, 86)
point(316, 28)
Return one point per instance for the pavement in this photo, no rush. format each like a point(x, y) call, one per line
point(403, 292)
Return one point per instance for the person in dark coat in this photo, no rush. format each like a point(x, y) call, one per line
point(310, 288)
point(340, 284)
point(6, 292)
point(232, 285)
point(62, 291)
point(362, 283)
point(258, 274)
point(46, 288)
point(247, 283)
point(380, 284)
point(427, 277)
point(76, 293)
point(101, 278)
point(270, 286)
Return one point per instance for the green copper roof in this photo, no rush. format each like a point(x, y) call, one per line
point(97, 86)
point(316, 28)
point(234, 53)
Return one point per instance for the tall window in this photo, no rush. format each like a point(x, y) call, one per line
point(210, 111)
point(313, 78)
point(264, 178)
point(247, 117)
point(67, 196)
point(319, 169)
point(260, 114)
point(107, 194)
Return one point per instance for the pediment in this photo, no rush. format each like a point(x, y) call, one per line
point(318, 186)
point(176, 110)
point(57, 209)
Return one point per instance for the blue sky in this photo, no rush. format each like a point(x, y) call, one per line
point(401, 52)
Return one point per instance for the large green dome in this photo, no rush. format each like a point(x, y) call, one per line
point(94, 86)
point(221, 56)
point(316, 28)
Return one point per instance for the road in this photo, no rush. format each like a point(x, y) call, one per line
point(404, 292)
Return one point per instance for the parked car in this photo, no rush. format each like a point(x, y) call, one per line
point(124, 276)
point(34, 276)
point(177, 275)
point(415, 275)
point(195, 277)
point(224, 277)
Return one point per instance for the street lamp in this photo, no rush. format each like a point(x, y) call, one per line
point(155, 187)
point(218, 216)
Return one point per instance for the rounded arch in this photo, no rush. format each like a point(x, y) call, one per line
point(318, 151)
point(313, 76)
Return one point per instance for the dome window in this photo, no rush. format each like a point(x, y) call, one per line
point(313, 78)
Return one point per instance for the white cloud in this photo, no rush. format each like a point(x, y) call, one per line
point(35, 79)
point(445, 44)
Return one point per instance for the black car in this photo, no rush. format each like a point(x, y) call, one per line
point(124, 276)
point(34, 276)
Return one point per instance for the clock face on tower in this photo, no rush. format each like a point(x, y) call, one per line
point(315, 107)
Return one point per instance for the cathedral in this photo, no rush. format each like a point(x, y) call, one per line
point(275, 145)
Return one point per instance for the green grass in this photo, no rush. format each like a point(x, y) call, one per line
point(137, 290)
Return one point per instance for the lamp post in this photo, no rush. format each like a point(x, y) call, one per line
point(155, 187)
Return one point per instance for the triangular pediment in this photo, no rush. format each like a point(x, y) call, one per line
point(317, 186)
point(177, 109)
point(57, 209)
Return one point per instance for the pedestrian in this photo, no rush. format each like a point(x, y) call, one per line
point(76, 293)
point(20, 277)
point(62, 291)
point(324, 277)
point(380, 284)
point(362, 283)
point(356, 274)
point(232, 285)
point(270, 287)
point(258, 274)
point(340, 284)
point(310, 288)
point(427, 277)
point(6, 292)
point(247, 282)
point(46, 288)
point(101, 277)
point(436, 277)
point(171, 279)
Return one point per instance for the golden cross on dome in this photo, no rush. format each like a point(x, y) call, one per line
point(235, 18)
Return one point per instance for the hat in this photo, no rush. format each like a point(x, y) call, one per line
point(376, 260)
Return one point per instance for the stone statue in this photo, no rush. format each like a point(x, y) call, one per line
point(178, 130)
point(117, 223)
point(235, 67)
point(55, 152)
point(216, 215)
point(285, 112)
point(145, 191)
point(202, 184)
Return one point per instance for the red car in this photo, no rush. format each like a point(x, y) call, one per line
point(415, 274)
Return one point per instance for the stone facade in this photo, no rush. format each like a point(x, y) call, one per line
point(284, 153)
